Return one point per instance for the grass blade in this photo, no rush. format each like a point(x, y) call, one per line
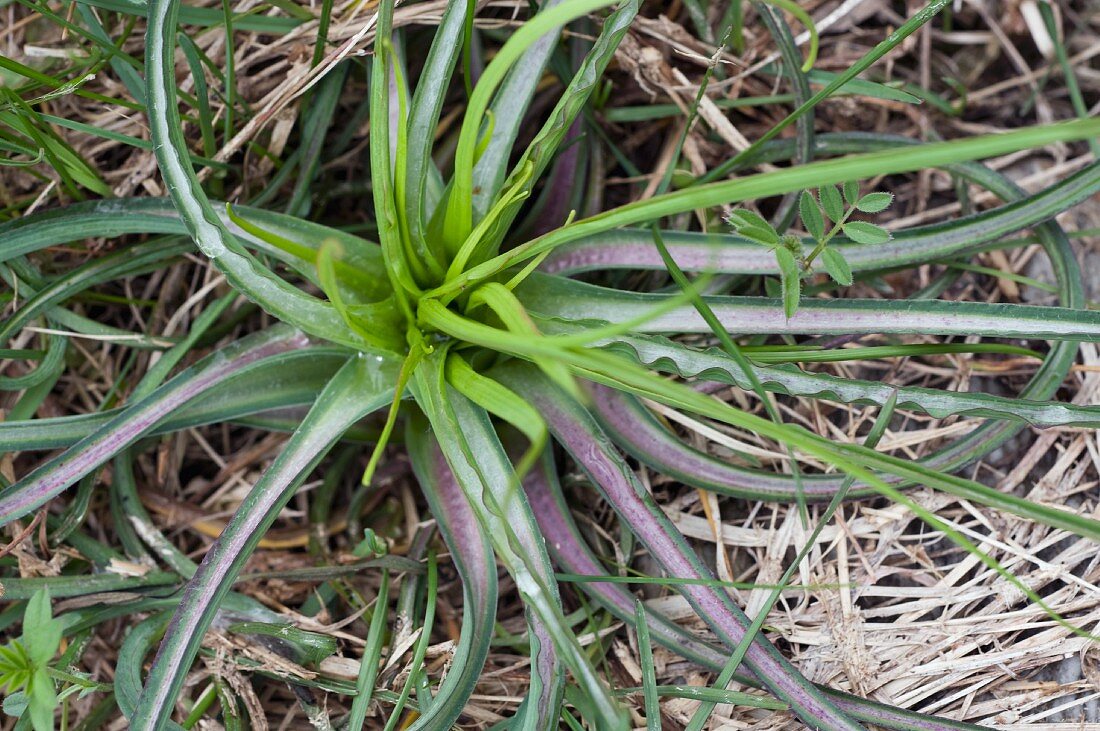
point(353, 393)
point(853, 167)
point(924, 15)
point(575, 429)
point(473, 555)
point(59, 473)
point(577, 301)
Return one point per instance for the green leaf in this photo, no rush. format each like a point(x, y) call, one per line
point(15, 704)
point(473, 558)
point(897, 158)
point(355, 391)
point(837, 266)
point(763, 236)
point(57, 474)
point(649, 678)
point(13, 660)
point(478, 461)
point(811, 217)
point(574, 99)
point(459, 205)
point(43, 701)
point(874, 202)
point(41, 632)
point(831, 203)
point(851, 192)
point(866, 233)
point(791, 278)
point(754, 227)
point(242, 270)
point(502, 403)
point(309, 647)
point(741, 217)
point(368, 666)
point(431, 90)
point(555, 298)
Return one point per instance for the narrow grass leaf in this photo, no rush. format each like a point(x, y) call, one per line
point(353, 393)
point(473, 556)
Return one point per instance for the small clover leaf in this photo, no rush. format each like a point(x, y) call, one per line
point(837, 266)
point(831, 203)
point(810, 214)
point(866, 233)
point(874, 202)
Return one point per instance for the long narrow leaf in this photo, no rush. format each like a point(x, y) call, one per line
point(724, 253)
point(508, 110)
point(355, 391)
point(712, 364)
point(472, 553)
point(212, 236)
point(575, 429)
point(481, 467)
point(284, 380)
point(778, 182)
point(569, 300)
point(133, 422)
point(573, 555)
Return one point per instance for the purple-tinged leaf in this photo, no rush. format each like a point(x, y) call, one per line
point(473, 557)
point(559, 298)
point(631, 425)
point(578, 432)
point(697, 252)
point(130, 424)
point(470, 444)
point(274, 388)
point(557, 197)
point(353, 393)
point(573, 555)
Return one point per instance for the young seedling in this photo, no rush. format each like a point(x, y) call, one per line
point(28, 672)
point(830, 208)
